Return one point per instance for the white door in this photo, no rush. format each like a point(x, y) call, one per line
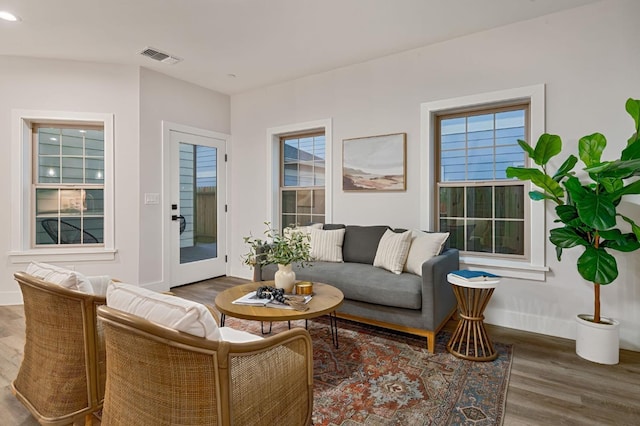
point(197, 208)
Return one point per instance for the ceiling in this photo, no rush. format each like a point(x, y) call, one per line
point(233, 46)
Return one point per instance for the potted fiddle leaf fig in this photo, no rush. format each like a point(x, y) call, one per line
point(586, 207)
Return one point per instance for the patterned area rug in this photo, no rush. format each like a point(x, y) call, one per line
point(379, 377)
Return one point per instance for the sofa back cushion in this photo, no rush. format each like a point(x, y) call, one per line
point(361, 243)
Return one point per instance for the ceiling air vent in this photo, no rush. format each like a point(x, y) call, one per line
point(159, 56)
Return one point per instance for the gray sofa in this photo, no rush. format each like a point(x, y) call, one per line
point(375, 296)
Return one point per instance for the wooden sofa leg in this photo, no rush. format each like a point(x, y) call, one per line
point(88, 419)
point(431, 343)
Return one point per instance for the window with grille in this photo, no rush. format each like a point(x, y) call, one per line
point(68, 185)
point(302, 179)
point(484, 212)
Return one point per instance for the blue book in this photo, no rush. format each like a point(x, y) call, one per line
point(468, 275)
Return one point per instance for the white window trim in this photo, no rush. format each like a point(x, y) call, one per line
point(273, 165)
point(21, 208)
point(534, 268)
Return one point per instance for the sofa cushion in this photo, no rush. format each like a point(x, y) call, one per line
point(392, 251)
point(424, 246)
point(170, 311)
point(306, 230)
point(326, 245)
point(361, 243)
point(362, 282)
point(61, 276)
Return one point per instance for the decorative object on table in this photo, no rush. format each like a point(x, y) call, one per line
point(304, 288)
point(275, 298)
point(587, 207)
point(383, 377)
point(473, 290)
point(291, 247)
point(468, 275)
point(374, 163)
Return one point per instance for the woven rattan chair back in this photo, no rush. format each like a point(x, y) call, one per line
point(159, 376)
point(62, 375)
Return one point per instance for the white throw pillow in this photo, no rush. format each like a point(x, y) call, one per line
point(326, 245)
point(303, 229)
point(392, 251)
point(170, 311)
point(63, 277)
point(100, 283)
point(424, 246)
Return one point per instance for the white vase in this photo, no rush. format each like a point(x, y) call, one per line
point(598, 342)
point(285, 278)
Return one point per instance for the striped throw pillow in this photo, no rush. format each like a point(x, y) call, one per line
point(326, 245)
point(392, 251)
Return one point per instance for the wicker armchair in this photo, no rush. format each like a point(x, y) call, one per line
point(160, 376)
point(62, 375)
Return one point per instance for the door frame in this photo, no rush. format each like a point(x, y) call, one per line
point(167, 127)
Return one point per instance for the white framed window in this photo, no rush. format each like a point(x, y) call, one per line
point(463, 187)
point(483, 211)
point(302, 179)
point(299, 174)
point(62, 189)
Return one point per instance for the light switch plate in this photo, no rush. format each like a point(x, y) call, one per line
point(151, 198)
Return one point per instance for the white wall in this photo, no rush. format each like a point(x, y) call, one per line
point(166, 98)
point(41, 84)
point(589, 60)
point(139, 99)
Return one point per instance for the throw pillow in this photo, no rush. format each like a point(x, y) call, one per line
point(392, 251)
point(304, 229)
point(361, 243)
point(169, 311)
point(424, 246)
point(61, 276)
point(326, 246)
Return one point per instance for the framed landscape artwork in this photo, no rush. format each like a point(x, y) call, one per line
point(374, 163)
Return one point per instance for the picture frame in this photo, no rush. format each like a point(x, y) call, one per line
point(375, 163)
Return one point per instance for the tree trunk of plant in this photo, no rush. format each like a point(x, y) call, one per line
point(596, 311)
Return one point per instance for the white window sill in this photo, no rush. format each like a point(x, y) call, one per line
point(75, 254)
point(505, 268)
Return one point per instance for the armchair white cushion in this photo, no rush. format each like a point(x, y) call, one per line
point(172, 312)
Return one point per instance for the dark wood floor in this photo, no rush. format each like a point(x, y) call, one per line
point(549, 384)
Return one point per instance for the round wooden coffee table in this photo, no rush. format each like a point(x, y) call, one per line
point(326, 300)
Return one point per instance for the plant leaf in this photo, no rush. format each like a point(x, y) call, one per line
point(633, 108)
point(575, 188)
point(567, 237)
point(635, 228)
point(568, 215)
point(537, 196)
point(620, 169)
point(597, 211)
point(597, 266)
point(590, 148)
point(559, 253)
point(526, 148)
point(624, 242)
point(632, 188)
point(611, 185)
point(539, 179)
point(565, 168)
point(548, 146)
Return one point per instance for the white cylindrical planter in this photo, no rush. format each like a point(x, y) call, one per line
point(285, 278)
point(598, 342)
